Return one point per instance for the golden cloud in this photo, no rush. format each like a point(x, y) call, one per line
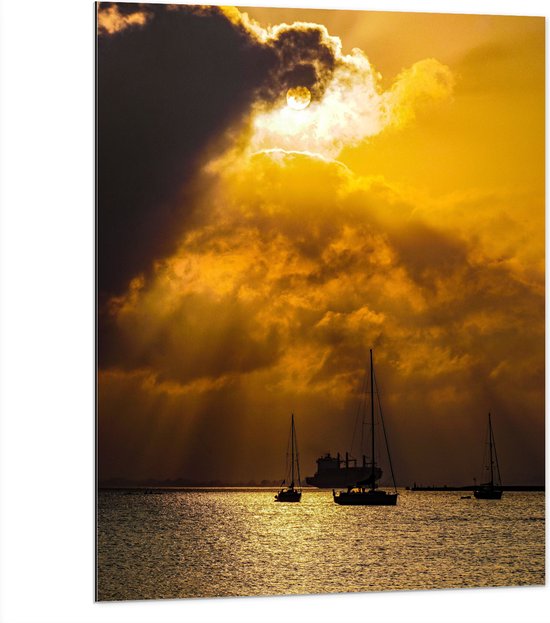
point(278, 263)
point(296, 268)
point(111, 20)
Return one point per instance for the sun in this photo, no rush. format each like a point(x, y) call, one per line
point(298, 98)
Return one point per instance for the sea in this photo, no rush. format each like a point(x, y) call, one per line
point(167, 544)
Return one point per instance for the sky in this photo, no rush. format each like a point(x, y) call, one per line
point(279, 191)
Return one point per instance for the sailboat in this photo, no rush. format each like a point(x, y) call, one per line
point(491, 490)
point(291, 493)
point(366, 492)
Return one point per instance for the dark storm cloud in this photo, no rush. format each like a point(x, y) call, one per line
point(171, 82)
point(165, 90)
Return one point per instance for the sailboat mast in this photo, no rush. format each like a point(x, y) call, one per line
point(491, 448)
point(372, 415)
point(292, 442)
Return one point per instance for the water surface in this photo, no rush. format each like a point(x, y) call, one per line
point(229, 542)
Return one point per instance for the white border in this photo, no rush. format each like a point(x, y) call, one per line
point(47, 346)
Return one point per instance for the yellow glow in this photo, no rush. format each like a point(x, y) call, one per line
point(352, 109)
point(298, 98)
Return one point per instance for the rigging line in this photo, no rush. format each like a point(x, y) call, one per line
point(360, 412)
point(496, 459)
point(287, 466)
point(378, 439)
point(363, 413)
point(484, 466)
point(297, 458)
point(385, 435)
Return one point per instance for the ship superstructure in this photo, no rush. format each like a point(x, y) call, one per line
point(333, 471)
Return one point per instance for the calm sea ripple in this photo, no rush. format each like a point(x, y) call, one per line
point(210, 543)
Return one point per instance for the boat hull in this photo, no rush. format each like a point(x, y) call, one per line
point(488, 494)
point(288, 496)
point(365, 498)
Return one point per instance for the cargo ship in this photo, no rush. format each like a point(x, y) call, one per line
point(332, 471)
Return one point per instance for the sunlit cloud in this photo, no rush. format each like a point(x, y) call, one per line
point(275, 265)
point(110, 19)
point(352, 108)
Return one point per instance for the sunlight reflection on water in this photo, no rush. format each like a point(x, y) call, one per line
point(199, 543)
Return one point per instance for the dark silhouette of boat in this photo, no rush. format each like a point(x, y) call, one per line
point(491, 490)
point(291, 493)
point(359, 495)
point(365, 492)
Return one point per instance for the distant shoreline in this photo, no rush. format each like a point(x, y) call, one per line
point(197, 485)
point(473, 487)
point(122, 483)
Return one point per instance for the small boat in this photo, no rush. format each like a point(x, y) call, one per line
point(366, 492)
point(360, 496)
point(291, 493)
point(491, 490)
